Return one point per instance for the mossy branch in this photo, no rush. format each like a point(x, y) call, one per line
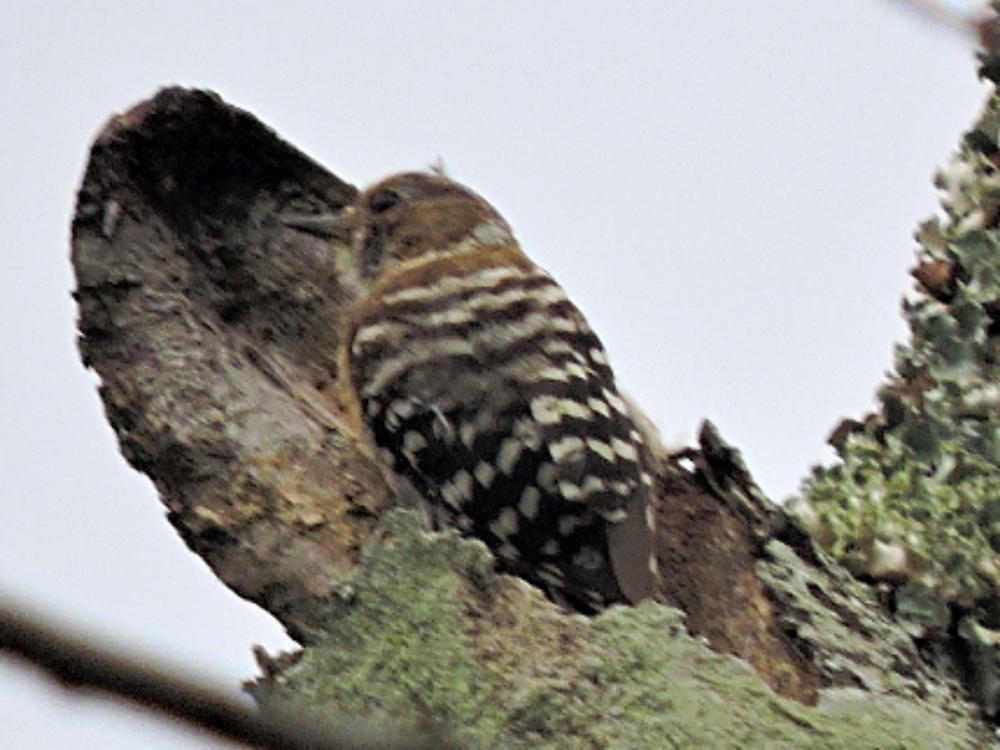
point(214, 328)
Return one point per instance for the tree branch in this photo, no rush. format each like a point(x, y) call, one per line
point(214, 329)
point(75, 663)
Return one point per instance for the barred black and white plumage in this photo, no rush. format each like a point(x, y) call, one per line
point(485, 387)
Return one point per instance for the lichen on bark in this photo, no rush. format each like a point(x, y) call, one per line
point(214, 326)
point(913, 501)
point(430, 634)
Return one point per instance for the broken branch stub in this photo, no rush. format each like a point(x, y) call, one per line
point(213, 329)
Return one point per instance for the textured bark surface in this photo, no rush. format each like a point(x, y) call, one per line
point(213, 328)
point(433, 636)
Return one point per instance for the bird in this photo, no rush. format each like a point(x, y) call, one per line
point(485, 389)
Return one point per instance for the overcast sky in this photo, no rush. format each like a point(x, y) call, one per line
point(728, 195)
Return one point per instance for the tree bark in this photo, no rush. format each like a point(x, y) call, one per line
point(213, 328)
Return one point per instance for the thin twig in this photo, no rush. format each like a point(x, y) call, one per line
point(940, 15)
point(76, 663)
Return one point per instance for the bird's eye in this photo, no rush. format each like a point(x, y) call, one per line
point(382, 200)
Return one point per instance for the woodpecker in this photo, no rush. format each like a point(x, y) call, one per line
point(483, 385)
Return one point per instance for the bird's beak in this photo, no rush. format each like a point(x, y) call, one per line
point(338, 226)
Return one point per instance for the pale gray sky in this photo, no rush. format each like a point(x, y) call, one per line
point(728, 190)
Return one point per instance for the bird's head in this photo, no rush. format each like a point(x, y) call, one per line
point(407, 219)
point(415, 216)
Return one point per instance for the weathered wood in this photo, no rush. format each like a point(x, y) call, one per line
point(213, 328)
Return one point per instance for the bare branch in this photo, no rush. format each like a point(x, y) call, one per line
point(967, 24)
point(78, 664)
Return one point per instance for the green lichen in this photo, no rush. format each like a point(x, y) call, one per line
point(402, 609)
point(428, 635)
point(914, 498)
